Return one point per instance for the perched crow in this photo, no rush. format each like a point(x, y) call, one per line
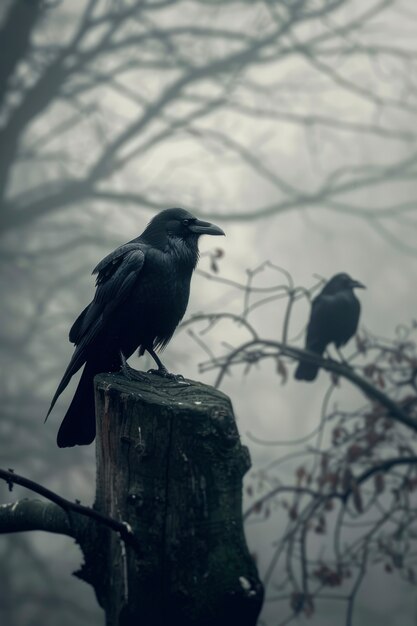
point(142, 294)
point(334, 319)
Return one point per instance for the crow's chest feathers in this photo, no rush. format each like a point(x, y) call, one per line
point(164, 289)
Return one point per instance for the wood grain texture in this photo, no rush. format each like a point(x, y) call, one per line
point(170, 464)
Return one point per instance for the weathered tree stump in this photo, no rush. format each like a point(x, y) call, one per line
point(170, 464)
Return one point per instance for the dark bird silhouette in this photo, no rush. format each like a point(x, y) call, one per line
point(141, 296)
point(334, 319)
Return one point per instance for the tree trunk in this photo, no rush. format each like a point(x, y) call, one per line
point(170, 464)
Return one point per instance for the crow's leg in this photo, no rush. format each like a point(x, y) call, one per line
point(162, 370)
point(341, 357)
point(130, 372)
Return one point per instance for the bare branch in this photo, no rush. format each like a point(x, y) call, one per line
point(69, 507)
point(26, 515)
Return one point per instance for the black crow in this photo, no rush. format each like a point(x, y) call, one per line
point(141, 296)
point(334, 319)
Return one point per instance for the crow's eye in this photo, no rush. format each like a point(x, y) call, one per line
point(186, 222)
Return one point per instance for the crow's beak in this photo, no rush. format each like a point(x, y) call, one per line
point(355, 284)
point(205, 228)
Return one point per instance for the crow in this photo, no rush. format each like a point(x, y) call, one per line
point(142, 292)
point(334, 319)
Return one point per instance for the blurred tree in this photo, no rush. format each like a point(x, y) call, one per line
point(108, 107)
point(90, 94)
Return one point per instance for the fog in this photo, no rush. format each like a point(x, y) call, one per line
point(291, 125)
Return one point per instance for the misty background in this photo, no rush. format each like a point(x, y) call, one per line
point(290, 124)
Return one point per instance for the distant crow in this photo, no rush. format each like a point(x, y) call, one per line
point(334, 319)
point(141, 296)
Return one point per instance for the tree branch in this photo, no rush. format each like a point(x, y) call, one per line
point(15, 36)
point(24, 515)
point(327, 364)
point(69, 507)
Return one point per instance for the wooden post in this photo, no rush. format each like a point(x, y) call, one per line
point(170, 464)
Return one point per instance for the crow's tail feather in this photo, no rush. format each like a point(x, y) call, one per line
point(306, 371)
point(309, 371)
point(79, 424)
point(77, 361)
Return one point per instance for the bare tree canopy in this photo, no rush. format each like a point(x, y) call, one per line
point(116, 102)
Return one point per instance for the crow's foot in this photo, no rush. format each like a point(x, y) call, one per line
point(344, 361)
point(163, 372)
point(130, 373)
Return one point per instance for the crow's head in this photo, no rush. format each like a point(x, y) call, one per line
point(341, 282)
point(176, 224)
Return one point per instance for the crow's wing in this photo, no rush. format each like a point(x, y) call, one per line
point(316, 329)
point(114, 282)
point(105, 271)
point(107, 266)
point(117, 273)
